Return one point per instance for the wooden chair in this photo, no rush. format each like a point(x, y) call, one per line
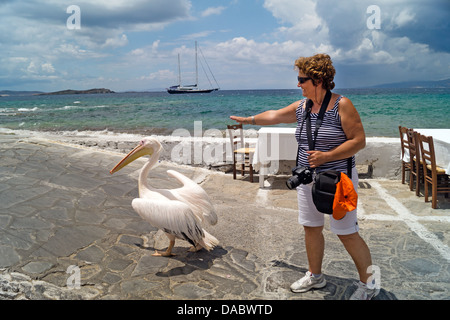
point(240, 150)
point(433, 174)
point(406, 165)
point(415, 164)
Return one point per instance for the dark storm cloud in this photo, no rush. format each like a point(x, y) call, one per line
point(107, 14)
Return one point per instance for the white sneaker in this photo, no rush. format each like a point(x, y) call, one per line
point(308, 282)
point(363, 292)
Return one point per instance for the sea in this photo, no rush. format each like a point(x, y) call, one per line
point(382, 110)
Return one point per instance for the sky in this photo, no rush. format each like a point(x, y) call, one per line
point(123, 45)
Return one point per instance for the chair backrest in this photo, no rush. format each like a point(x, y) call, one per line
point(403, 140)
point(236, 134)
point(427, 150)
point(413, 146)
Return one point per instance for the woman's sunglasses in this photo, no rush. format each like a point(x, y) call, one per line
point(303, 79)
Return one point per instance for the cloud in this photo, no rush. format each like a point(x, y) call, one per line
point(404, 18)
point(36, 31)
point(47, 68)
point(115, 42)
point(299, 19)
point(106, 14)
point(410, 40)
point(212, 11)
point(32, 68)
point(160, 75)
point(265, 53)
point(103, 23)
point(367, 53)
point(198, 35)
point(342, 25)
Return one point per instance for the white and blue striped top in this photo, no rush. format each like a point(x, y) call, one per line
point(330, 136)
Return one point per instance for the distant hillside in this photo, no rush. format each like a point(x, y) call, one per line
point(90, 91)
point(417, 84)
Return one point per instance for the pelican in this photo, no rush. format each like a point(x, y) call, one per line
point(179, 212)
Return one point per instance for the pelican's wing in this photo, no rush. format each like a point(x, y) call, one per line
point(171, 216)
point(194, 195)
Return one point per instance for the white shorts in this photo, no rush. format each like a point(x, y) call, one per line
point(309, 216)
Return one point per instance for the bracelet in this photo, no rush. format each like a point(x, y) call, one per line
point(253, 120)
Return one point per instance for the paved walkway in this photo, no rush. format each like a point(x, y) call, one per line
point(67, 231)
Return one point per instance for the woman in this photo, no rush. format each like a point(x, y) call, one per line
point(340, 136)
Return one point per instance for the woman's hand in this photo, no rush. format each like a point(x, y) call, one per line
point(271, 117)
point(317, 158)
point(243, 120)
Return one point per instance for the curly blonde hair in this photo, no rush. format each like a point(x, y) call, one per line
point(318, 67)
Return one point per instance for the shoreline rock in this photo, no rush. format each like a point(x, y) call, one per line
point(70, 91)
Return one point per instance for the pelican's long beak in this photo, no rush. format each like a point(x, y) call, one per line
point(136, 153)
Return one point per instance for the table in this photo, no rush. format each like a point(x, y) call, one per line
point(441, 141)
point(273, 144)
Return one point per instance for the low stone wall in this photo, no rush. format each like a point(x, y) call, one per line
point(381, 156)
point(379, 159)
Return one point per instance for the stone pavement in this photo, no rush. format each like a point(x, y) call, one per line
point(68, 231)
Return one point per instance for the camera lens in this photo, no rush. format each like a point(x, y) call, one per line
point(292, 183)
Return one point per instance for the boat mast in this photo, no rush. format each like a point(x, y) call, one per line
point(179, 71)
point(196, 66)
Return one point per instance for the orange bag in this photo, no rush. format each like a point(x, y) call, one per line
point(345, 198)
point(333, 193)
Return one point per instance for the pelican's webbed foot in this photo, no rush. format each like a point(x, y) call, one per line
point(168, 252)
point(163, 254)
point(196, 248)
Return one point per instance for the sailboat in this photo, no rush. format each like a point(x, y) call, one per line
point(193, 88)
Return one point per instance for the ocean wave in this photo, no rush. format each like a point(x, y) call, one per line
point(28, 109)
point(107, 134)
point(7, 111)
point(65, 108)
point(68, 108)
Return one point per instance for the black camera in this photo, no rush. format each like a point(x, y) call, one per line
point(300, 175)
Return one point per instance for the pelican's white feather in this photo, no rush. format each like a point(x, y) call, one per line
point(194, 195)
point(173, 217)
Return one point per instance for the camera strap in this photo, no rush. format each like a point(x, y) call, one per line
point(307, 119)
point(323, 108)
